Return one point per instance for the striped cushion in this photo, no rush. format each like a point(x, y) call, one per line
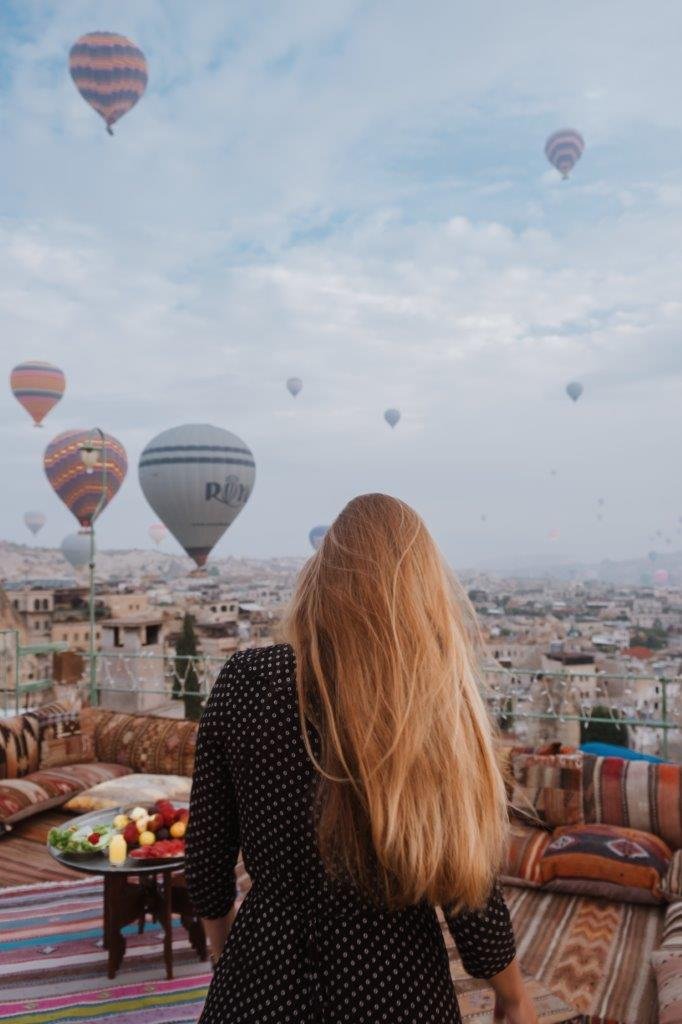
point(672, 886)
point(62, 738)
point(19, 748)
point(146, 743)
point(667, 963)
point(634, 794)
point(549, 783)
point(672, 925)
point(20, 798)
point(526, 846)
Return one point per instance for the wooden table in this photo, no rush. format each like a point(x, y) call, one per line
point(132, 891)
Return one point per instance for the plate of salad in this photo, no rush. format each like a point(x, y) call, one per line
point(81, 840)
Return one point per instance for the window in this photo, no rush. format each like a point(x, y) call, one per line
point(223, 607)
point(36, 605)
point(45, 604)
point(151, 635)
point(65, 636)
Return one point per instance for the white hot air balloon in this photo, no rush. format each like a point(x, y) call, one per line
point(294, 385)
point(35, 521)
point(76, 548)
point(316, 536)
point(392, 416)
point(157, 532)
point(197, 478)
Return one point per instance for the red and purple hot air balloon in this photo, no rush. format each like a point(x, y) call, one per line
point(110, 73)
point(81, 488)
point(37, 386)
point(563, 149)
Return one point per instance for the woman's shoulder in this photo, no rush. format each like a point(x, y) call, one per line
point(269, 664)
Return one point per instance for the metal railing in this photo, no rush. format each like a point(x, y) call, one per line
point(531, 705)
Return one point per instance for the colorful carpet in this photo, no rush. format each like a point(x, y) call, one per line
point(586, 956)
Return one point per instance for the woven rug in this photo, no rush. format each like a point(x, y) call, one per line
point(585, 957)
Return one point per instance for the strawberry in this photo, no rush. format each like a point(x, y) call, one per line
point(94, 838)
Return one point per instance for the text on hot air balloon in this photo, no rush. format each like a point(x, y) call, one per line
point(232, 493)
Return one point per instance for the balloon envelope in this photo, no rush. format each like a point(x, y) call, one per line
point(76, 548)
point(38, 387)
point(652, 556)
point(316, 536)
point(661, 575)
point(157, 532)
point(294, 385)
point(574, 390)
point(392, 416)
point(110, 73)
point(197, 478)
point(35, 521)
point(563, 149)
point(80, 490)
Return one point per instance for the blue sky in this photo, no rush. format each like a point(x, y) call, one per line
point(356, 193)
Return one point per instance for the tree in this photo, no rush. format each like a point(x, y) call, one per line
point(185, 670)
point(603, 732)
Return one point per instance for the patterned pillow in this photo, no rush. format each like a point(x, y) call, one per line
point(551, 784)
point(672, 885)
point(672, 925)
point(131, 789)
point(18, 746)
point(526, 846)
point(667, 964)
point(635, 794)
point(20, 798)
point(62, 739)
point(146, 743)
point(605, 860)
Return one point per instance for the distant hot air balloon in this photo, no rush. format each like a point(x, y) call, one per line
point(81, 490)
point(197, 478)
point(484, 518)
point(76, 548)
point(652, 556)
point(35, 521)
point(574, 390)
point(554, 534)
point(38, 387)
point(661, 576)
point(109, 72)
point(392, 416)
point(600, 517)
point(294, 385)
point(563, 149)
point(157, 532)
point(316, 536)
point(600, 501)
point(552, 472)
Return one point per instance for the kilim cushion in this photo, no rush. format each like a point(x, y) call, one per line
point(131, 789)
point(20, 798)
point(667, 963)
point(145, 743)
point(62, 739)
point(672, 885)
point(552, 784)
point(526, 846)
point(604, 860)
point(18, 746)
point(672, 925)
point(635, 794)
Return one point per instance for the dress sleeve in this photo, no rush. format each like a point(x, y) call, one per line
point(484, 938)
point(212, 841)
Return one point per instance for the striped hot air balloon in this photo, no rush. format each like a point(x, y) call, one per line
point(563, 149)
point(80, 489)
point(37, 386)
point(110, 73)
point(197, 478)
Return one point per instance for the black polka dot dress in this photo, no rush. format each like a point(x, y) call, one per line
point(302, 948)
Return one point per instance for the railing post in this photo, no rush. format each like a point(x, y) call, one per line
point(664, 717)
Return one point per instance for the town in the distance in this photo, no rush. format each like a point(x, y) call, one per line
point(573, 656)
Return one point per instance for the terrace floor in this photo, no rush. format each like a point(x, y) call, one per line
point(24, 859)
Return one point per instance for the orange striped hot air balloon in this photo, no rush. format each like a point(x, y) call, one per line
point(110, 73)
point(38, 387)
point(79, 488)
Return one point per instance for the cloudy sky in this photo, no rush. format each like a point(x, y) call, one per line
point(356, 193)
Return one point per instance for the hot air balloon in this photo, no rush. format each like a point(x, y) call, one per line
point(574, 390)
point(316, 536)
point(109, 72)
point(552, 472)
point(563, 149)
point(600, 501)
point(484, 518)
point(652, 556)
point(553, 534)
point(38, 387)
point(157, 532)
point(35, 521)
point(197, 478)
point(392, 416)
point(76, 548)
point(81, 488)
point(294, 385)
point(661, 576)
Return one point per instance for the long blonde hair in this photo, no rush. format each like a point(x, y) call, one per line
point(410, 800)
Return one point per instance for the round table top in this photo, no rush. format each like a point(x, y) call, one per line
point(98, 863)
